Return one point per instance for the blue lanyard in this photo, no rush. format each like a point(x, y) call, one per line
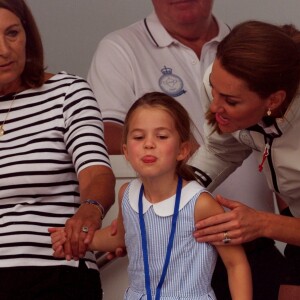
point(170, 244)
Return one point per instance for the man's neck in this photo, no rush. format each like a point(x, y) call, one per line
point(195, 36)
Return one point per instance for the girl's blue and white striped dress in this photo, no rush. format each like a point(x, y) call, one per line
point(191, 265)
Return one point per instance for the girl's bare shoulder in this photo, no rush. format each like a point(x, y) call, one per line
point(206, 206)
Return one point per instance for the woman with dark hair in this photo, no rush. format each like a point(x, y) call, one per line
point(33, 73)
point(55, 170)
point(252, 91)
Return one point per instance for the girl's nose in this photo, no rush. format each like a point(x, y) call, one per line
point(149, 143)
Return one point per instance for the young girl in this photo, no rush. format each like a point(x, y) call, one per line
point(157, 212)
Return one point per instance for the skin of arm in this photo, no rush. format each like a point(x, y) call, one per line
point(234, 258)
point(113, 137)
point(104, 240)
point(245, 224)
point(96, 183)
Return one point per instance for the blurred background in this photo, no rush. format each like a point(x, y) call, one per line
point(71, 29)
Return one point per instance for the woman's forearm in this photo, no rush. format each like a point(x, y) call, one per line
point(281, 228)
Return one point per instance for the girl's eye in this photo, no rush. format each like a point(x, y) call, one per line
point(138, 137)
point(162, 137)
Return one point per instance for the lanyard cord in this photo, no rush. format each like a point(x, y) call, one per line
point(169, 247)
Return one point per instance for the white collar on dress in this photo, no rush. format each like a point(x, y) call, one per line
point(166, 207)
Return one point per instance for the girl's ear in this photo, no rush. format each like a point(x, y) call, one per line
point(184, 152)
point(124, 147)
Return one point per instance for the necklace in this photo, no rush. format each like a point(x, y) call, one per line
point(2, 131)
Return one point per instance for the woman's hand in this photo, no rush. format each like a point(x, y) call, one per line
point(80, 230)
point(239, 225)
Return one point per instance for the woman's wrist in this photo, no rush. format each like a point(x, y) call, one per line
point(97, 204)
point(263, 222)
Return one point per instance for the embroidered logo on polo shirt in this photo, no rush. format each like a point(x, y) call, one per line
point(170, 83)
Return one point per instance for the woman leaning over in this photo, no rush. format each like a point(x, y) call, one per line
point(252, 92)
point(52, 159)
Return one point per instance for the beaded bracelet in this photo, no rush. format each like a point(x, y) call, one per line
point(98, 205)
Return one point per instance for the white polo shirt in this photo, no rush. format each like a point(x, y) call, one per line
point(144, 57)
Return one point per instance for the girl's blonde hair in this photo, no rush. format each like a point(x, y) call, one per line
point(179, 115)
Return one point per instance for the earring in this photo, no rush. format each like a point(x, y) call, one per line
point(269, 112)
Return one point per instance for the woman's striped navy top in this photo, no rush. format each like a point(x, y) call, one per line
point(51, 134)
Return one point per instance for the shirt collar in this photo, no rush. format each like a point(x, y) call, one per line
point(158, 34)
point(290, 115)
point(282, 124)
point(166, 207)
point(161, 38)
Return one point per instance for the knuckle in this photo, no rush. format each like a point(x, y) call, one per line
point(236, 224)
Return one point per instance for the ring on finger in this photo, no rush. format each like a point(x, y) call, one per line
point(226, 239)
point(85, 229)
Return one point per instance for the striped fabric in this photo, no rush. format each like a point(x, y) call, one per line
point(191, 264)
point(48, 131)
